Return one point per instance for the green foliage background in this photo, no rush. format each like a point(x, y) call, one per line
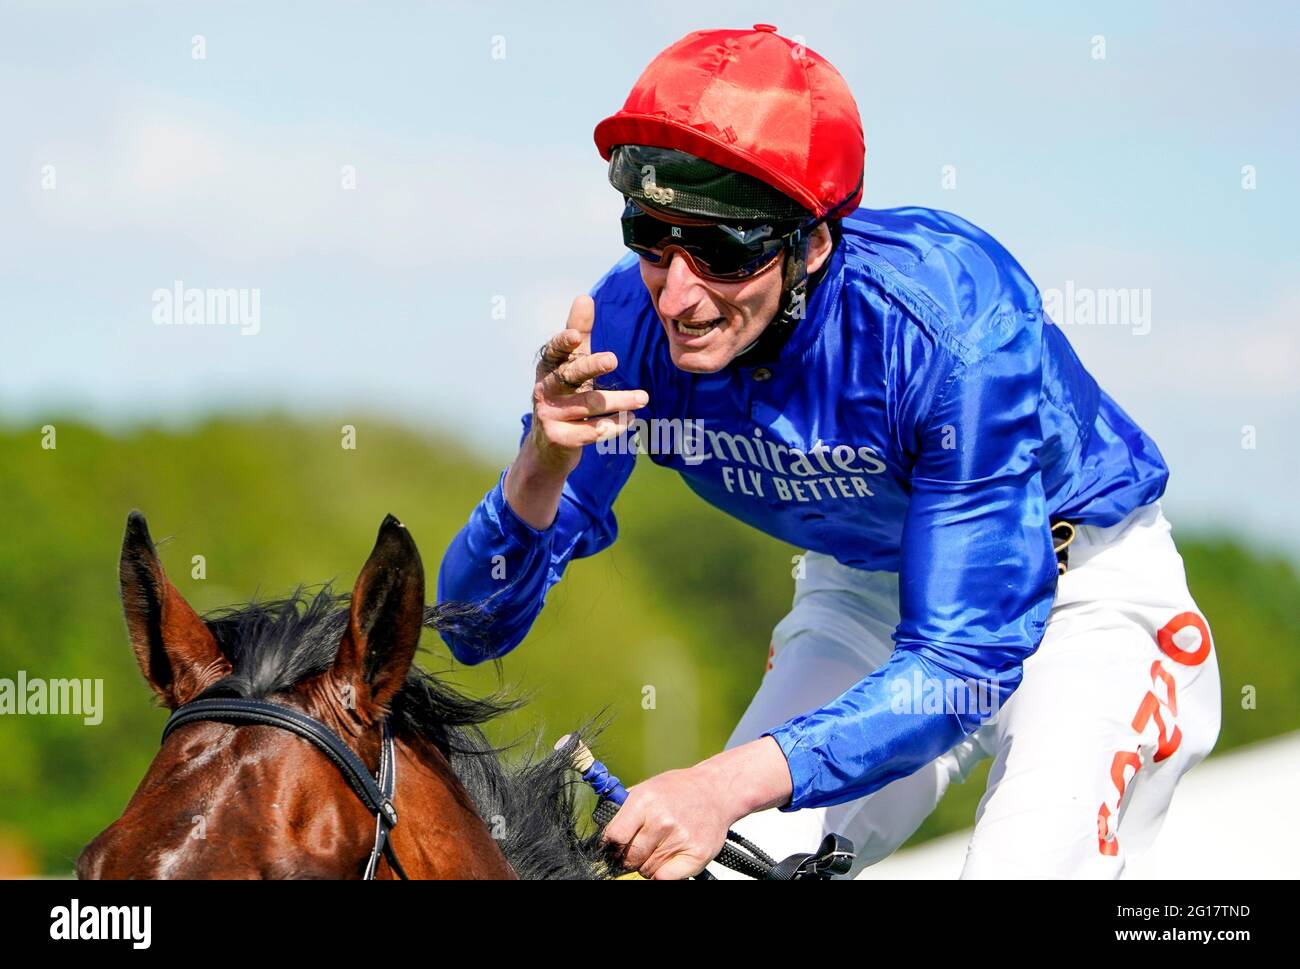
point(685, 601)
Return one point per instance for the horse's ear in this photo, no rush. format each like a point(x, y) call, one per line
point(175, 649)
point(386, 617)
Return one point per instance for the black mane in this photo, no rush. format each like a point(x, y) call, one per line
point(529, 808)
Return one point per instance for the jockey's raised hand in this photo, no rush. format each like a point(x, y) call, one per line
point(568, 414)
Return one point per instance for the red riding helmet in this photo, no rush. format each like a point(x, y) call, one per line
point(755, 102)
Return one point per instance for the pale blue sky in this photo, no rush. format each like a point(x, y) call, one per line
point(477, 178)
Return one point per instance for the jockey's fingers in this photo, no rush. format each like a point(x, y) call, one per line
point(558, 348)
point(582, 315)
point(571, 376)
point(592, 403)
point(655, 860)
point(679, 866)
point(574, 338)
point(576, 434)
point(639, 851)
point(608, 427)
point(624, 825)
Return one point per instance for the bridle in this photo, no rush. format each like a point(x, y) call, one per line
point(375, 792)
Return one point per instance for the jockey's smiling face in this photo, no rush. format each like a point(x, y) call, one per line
point(708, 321)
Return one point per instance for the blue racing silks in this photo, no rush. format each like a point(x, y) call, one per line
point(924, 418)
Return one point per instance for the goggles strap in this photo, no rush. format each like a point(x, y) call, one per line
point(796, 290)
point(791, 309)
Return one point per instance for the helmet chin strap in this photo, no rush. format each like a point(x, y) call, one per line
point(794, 304)
point(796, 289)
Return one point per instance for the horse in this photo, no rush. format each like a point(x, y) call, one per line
point(254, 801)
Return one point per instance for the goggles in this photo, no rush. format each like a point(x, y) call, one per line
point(714, 250)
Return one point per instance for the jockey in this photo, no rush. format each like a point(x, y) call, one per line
point(988, 570)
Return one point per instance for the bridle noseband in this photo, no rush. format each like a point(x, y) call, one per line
point(376, 792)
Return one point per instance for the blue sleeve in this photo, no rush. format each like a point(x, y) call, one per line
point(504, 567)
point(977, 579)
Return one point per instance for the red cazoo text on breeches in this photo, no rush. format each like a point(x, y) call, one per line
point(1160, 704)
